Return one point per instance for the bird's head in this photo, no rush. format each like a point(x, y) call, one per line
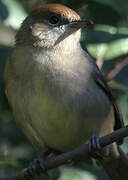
point(50, 26)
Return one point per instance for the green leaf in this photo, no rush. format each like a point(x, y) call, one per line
point(109, 50)
point(97, 49)
point(118, 5)
point(123, 102)
point(116, 85)
point(16, 13)
point(106, 28)
point(116, 48)
point(9, 162)
point(75, 174)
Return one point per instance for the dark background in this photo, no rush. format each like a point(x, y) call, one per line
point(106, 41)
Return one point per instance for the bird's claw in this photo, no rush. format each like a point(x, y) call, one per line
point(94, 146)
point(36, 168)
point(94, 143)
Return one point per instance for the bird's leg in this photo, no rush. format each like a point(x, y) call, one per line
point(38, 166)
point(95, 148)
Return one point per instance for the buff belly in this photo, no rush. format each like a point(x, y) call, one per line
point(62, 122)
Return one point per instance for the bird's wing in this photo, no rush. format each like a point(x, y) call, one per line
point(99, 79)
point(118, 116)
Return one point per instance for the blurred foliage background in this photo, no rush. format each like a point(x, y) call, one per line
point(106, 41)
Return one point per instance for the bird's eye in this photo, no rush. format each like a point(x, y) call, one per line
point(54, 20)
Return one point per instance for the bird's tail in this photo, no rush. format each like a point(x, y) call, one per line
point(116, 164)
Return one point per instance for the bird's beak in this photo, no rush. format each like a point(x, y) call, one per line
point(72, 27)
point(80, 24)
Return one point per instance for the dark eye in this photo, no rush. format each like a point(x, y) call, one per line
point(54, 20)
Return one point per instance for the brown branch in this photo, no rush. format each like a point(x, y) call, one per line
point(116, 68)
point(75, 154)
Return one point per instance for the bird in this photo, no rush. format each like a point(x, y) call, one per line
point(55, 89)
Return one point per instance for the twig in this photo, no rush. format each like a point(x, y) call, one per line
point(116, 68)
point(77, 153)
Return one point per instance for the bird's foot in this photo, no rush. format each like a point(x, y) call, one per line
point(36, 168)
point(95, 149)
